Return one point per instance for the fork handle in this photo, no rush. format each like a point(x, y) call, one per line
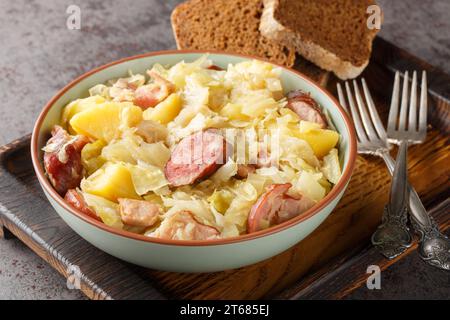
point(417, 210)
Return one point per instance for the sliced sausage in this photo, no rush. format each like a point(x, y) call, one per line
point(274, 207)
point(138, 213)
point(76, 200)
point(306, 108)
point(62, 160)
point(183, 225)
point(196, 157)
point(150, 95)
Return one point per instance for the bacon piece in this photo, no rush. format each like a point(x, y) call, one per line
point(306, 108)
point(183, 225)
point(76, 200)
point(274, 207)
point(196, 157)
point(62, 159)
point(150, 95)
point(138, 213)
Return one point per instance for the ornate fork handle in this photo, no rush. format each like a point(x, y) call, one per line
point(434, 246)
point(392, 237)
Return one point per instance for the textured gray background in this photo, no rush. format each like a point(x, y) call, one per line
point(38, 55)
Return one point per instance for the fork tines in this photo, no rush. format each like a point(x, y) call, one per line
point(368, 125)
point(369, 128)
point(404, 126)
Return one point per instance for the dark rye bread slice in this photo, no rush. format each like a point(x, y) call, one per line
point(332, 34)
point(226, 25)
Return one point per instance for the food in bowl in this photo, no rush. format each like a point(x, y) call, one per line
point(194, 152)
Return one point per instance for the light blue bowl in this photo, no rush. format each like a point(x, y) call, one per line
point(191, 256)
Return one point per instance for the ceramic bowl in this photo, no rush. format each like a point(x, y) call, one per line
point(191, 256)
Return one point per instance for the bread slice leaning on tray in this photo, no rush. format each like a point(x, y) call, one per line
point(334, 35)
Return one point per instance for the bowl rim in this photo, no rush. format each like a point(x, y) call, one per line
point(337, 189)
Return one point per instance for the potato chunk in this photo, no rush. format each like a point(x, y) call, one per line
point(320, 140)
point(111, 181)
point(103, 121)
point(78, 106)
point(166, 110)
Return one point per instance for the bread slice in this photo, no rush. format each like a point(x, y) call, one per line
point(227, 25)
point(332, 34)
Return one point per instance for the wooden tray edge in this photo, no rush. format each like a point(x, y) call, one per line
point(345, 275)
point(11, 226)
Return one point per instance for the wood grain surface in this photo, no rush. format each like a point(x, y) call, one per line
point(334, 281)
point(337, 248)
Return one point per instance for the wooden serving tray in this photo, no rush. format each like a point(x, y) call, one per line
point(329, 263)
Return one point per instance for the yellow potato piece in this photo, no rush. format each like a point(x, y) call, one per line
point(165, 111)
point(321, 140)
point(103, 121)
point(78, 106)
point(112, 181)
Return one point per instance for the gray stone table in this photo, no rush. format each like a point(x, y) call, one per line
point(38, 55)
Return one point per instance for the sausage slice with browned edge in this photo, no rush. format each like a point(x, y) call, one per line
point(76, 200)
point(196, 157)
point(306, 108)
point(274, 207)
point(62, 160)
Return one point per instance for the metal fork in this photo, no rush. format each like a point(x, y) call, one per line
point(434, 246)
point(392, 237)
point(372, 139)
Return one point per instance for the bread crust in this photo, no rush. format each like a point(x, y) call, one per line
point(173, 21)
point(180, 16)
point(272, 29)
